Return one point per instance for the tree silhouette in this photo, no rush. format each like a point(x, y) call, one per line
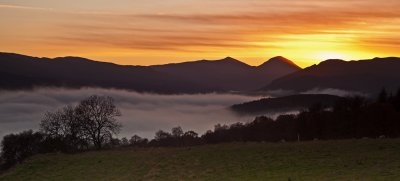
point(190, 134)
point(135, 139)
point(124, 141)
point(17, 147)
point(97, 115)
point(91, 121)
point(160, 135)
point(383, 95)
point(64, 127)
point(177, 132)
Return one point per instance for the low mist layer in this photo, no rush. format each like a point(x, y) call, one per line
point(142, 113)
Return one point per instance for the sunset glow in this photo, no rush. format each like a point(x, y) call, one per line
point(138, 32)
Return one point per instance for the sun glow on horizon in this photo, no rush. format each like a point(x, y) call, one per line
point(160, 32)
point(325, 55)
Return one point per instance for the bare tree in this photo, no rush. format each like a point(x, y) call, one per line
point(97, 115)
point(64, 126)
point(160, 135)
point(55, 124)
point(135, 139)
point(124, 141)
point(93, 120)
point(191, 134)
point(177, 132)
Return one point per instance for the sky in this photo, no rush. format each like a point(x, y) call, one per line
point(148, 32)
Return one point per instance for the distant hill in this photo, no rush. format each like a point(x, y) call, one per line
point(229, 73)
point(24, 72)
point(21, 72)
point(278, 66)
point(367, 76)
point(287, 103)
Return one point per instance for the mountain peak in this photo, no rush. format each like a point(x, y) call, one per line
point(230, 59)
point(331, 61)
point(356, 76)
point(279, 60)
point(73, 58)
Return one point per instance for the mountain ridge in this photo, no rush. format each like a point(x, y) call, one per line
point(222, 75)
point(368, 75)
point(278, 59)
point(296, 102)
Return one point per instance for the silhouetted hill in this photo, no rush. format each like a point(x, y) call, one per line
point(287, 103)
point(364, 75)
point(24, 72)
point(229, 73)
point(279, 66)
point(19, 71)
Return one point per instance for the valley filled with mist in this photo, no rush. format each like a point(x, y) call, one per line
point(142, 113)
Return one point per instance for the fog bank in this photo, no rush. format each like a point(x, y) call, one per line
point(142, 113)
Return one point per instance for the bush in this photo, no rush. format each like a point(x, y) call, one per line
point(18, 147)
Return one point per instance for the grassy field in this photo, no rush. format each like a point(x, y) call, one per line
point(320, 160)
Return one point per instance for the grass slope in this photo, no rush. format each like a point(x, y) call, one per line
point(320, 160)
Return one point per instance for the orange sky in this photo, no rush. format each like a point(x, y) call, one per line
point(146, 32)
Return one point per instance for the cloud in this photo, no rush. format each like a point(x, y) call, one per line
point(296, 30)
point(329, 91)
point(142, 113)
point(337, 92)
point(135, 32)
point(10, 6)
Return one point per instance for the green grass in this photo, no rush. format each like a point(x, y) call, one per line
point(321, 160)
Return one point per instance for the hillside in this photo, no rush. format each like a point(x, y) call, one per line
point(368, 76)
point(229, 73)
point(286, 103)
point(24, 72)
point(365, 159)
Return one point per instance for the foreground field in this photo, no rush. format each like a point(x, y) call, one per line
point(321, 160)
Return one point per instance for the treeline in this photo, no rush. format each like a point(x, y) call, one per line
point(349, 118)
point(92, 125)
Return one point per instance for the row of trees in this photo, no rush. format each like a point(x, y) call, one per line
point(177, 137)
point(353, 117)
